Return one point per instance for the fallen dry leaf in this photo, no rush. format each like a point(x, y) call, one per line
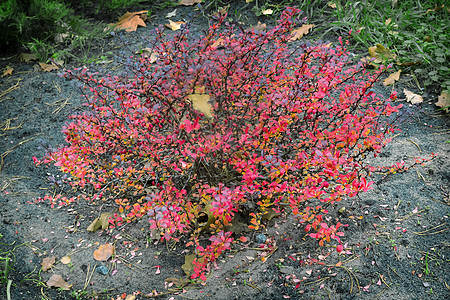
point(412, 98)
point(189, 2)
point(148, 51)
point(102, 222)
point(104, 252)
point(48, 262)
point(332, 4)
point(59, 282)
point(300, 32)
point(130, 21)
point(381, 54)
point(65, 260)
point(392, 78)
point(27, 57)
point(444, 101)
point(174, 25)
point(48, 67)
point(200, 103)
point(130, 297)
point(8, 71)
point(258, 27)
point(188, 267)
point(267, 12)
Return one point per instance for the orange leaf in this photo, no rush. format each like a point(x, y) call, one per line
point(48, 262)
point(58, 281)
point(130, 21)
point(392, 78)
point(300, 32)
point(104, 252)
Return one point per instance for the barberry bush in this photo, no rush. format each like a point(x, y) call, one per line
point(235, 122)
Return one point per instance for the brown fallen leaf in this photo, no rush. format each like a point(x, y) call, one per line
point(332, 4)
point(392, 78)
point(258, 27)
point(48, 67)
point(412, 98)
point(189, 2)
point(65, 260)
point(130, 21)
point(201, 104)
point(444, 101)
point(48, 262)
point(381, 54)
point(59, 282)
point(7, 71)
point(27, 57)
point(102, 222)
point(300, 32)
point(104, 252)
point(175, 25)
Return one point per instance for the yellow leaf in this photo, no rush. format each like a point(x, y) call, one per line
point(66, 260)
point(267, 12)
point(300, 32)
point(200, 103)
point(8, 71)
point(58, 281)
point(444, 101)
point(188, 267)
point(102, 222)
point(381, 54)
point(388, 21)
point(175, 25)
point(130, 21)
point(104, 252)
point(392, 78)
point(189, 2)
point(148, 51)
point(412, 98)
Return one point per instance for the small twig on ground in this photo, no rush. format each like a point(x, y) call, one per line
point(426, 232)
point(414, 144)
point(408, 216)
point(8, 90)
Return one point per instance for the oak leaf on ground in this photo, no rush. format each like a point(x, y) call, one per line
point(130, 21)
point(201, 104)
point(175, 25)
point(412, 98)
point(300, 32)
point(59, 282)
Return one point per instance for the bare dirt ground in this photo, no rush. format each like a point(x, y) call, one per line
point(396, 244)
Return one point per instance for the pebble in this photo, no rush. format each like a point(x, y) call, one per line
point(102, 270)
point(261, 238)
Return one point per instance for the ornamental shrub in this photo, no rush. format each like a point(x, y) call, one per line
point(233, 122)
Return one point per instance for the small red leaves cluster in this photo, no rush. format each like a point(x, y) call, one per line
point(291, 126)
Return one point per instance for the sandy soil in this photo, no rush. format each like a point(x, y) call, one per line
point(396, 243)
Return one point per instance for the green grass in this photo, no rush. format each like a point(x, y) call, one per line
point(416, 31)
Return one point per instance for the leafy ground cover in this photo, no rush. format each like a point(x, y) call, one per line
point(395, 244)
